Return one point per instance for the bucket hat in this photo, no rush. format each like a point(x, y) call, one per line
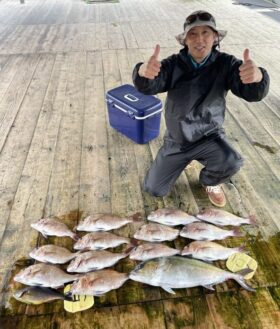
point(200, 18)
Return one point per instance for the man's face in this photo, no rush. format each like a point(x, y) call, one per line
point(200, 40)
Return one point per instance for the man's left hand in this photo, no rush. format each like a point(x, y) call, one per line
point(248, 71)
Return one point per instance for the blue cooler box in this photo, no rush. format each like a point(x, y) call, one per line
point(133, 114)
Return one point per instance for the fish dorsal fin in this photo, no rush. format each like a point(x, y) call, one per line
point(168, 289)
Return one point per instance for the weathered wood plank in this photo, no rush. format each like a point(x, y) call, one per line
point(12, 99)
point(265, 143)
point(94, 192)
point(255, 169)
point(8, 71)
point(97, 37)
point(64, 182)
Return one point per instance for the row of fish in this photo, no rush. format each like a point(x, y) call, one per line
point(98, 259)
point(153, 232)
point(166, 216)
point(169, 273)
point(160, 267)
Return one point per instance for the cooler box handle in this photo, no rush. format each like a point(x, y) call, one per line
point(131, 98)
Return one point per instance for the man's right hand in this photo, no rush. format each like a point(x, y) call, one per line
point(151, 69)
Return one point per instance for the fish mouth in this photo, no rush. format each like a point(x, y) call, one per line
point(70, 270)
point(17, 278)
point(188, 254)
point(132, 275)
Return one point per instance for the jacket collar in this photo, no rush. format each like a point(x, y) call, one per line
point(186, 58)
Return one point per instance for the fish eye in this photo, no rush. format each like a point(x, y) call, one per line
point(139, 266)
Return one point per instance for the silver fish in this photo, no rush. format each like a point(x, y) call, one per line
point(203, 231)
point(180, 272)
point(209, 251)
point(156, 233)
point(106, 222)
point(95, 260)
point(100, 240)
point(222, 217)
point(53, 254)
point(152, 250)
point(98, 283)
point(171, 217)
point(51, 226)
point(44, 275)
point(38, 295)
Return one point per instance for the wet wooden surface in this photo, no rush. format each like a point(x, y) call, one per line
point(60, 157)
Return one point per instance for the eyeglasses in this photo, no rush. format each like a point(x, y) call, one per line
point(204, 16)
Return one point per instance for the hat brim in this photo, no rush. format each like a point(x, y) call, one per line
point(182, 36)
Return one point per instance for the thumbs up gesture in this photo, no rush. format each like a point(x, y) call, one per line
point(151, 68)
point(248, 70)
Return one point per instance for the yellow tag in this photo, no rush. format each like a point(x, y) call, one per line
point(79, 303)
point(240, 261)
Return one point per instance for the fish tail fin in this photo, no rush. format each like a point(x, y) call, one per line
point(68, 297)
point(137, 217)
point(253, 220)
point(78, 276)
point(78, 252)
point(75, 237)
point(241, 249)
point(134, 242)
point(239, 277)
point(128, 250)
point(237, 232)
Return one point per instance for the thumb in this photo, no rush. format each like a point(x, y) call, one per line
point(246, 55)
point(156, 51)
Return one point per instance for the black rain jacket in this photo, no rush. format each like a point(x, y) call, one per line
point(195, 104)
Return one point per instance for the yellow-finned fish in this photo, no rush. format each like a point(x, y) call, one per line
point(179, 272)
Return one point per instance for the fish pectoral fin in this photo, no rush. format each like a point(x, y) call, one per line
point(209, 286)
point(208, 261)
point(100, 227)
point(157, 240)
point(168, 289)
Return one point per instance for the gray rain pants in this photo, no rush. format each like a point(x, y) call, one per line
point(221, 162)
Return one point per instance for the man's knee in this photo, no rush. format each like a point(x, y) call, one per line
point(154, 190)
point(232, 163)
point(222, 171)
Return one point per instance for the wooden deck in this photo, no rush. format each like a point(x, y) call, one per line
point(60, 157)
